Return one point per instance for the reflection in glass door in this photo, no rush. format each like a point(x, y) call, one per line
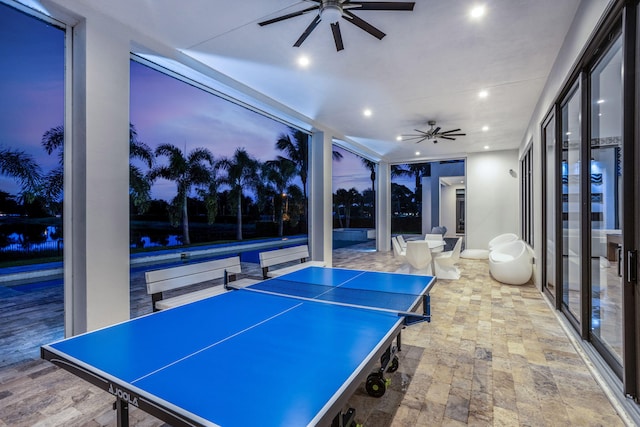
point(606, 201)
point(571, 250)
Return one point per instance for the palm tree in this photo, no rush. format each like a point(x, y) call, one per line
point(346, 198)
point(278, 175)
point(53, 186)
point(372, 168)
point(242, 170)
point(297, 150)
point(21, 166)
point(417, 171)
point(139, 184)
point(209, 194)
point(186, 171)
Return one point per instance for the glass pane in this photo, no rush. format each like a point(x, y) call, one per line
point(550, 143)
point(606, 203)
point(571, 203)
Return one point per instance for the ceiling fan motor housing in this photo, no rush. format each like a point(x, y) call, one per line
point(330, 11)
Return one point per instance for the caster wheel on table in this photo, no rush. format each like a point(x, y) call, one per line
point(376, 385)
point(393, 366)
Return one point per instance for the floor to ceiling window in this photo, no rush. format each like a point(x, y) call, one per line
point(206, 169)
point(549, 201)
point(606, 199)
point(353, 189)
point(588, 194)
point(526, 196)
point(571, 203)
point(32, 88)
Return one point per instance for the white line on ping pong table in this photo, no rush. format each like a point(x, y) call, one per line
point(255, 325)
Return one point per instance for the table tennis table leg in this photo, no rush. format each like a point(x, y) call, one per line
point(346, 419)
point(122, 412)
point(426, 307)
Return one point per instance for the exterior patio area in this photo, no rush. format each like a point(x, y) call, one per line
point(493, 355)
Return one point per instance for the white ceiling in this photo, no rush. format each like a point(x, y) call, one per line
point(430, 66)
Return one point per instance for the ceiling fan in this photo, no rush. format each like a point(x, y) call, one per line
point(433, 133)
point(330, 11)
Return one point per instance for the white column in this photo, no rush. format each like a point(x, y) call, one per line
point(320, 198)
point(97, 180)
point(383, 208)
point(426, 205)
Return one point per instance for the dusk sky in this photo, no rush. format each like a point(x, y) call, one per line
point(163, 109)
point(31, 86)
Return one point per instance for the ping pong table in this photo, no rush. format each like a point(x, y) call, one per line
point(286, 351)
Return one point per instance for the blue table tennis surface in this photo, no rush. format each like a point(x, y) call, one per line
point(248, 357)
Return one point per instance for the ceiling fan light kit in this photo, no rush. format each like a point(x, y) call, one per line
point(331, 11)
point(433, 134)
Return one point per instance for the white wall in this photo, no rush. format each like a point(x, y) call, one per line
point(492, 196)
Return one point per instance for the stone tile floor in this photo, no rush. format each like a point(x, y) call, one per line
point(493, 355)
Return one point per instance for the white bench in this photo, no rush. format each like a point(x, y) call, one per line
point(159, 281)
point(280, 256)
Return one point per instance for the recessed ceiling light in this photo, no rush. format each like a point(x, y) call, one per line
point(485, 128)
point(417, 153)
point(477, 12)
point(486, 147)
point(483, 94)
point(304, 61)
point(367, 113)
point(399, 138)
point(600, 101)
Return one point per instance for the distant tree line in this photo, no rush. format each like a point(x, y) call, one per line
point(212, 186)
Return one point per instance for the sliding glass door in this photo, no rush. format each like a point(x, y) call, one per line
point(606, 188)
point(571, 204)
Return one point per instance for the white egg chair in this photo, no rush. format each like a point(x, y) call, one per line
point(511, 263)
point(502, 238)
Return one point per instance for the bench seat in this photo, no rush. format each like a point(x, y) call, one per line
point(184, 276)
point(163, 304)
point(287, 255)
point(295, 267)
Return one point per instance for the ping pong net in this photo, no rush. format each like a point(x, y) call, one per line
point(398, 303)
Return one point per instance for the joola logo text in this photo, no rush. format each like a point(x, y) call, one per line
point(121, 394)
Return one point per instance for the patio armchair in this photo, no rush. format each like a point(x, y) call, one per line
point(401, 241)
point(398, 252)
point(445, 262)
point(511, 263)
point(501, 239)
point(418, 256)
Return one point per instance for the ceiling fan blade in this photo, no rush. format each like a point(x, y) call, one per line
point(290, 15)
point(415, 139)
point(436, 130)
point(379, 5)
point(421, 139)
point(308, 31)
point(363, 24)
point(337, 36)
point(453, 134)
point(446, 137)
